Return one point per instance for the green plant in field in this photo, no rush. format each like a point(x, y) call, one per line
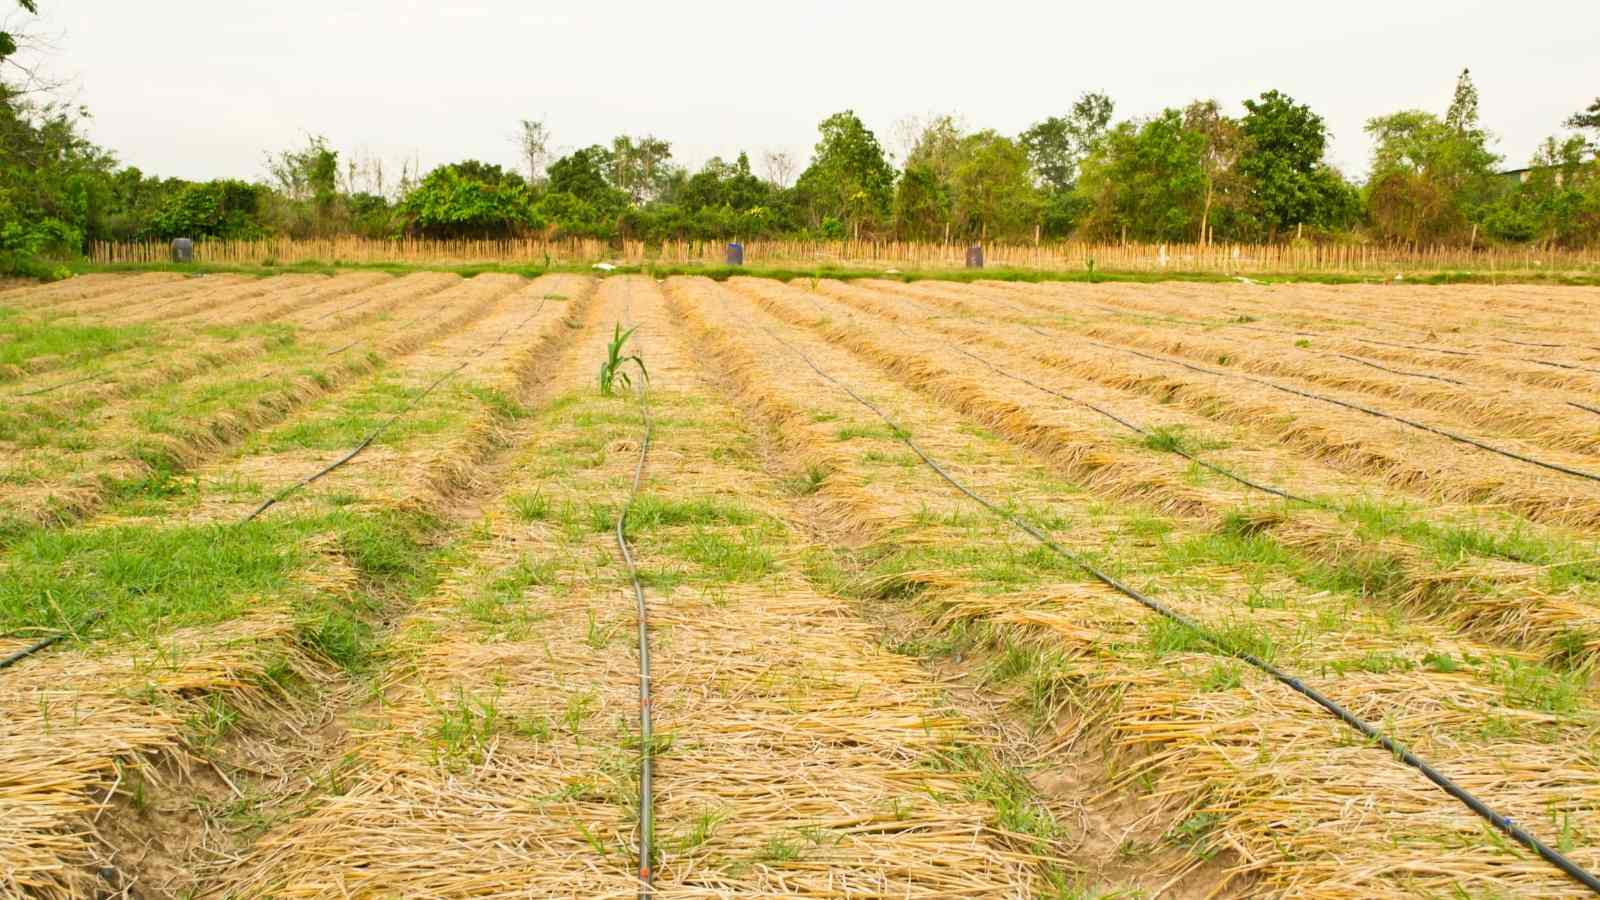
point(1165, 439)
point(612, 369)
point(778, 850)
point(702, 830)
point(463, 729)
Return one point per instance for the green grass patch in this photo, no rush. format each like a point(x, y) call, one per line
point(875, 432)
point(1016, 809)
point(147, 579)
point(1566, 562)
point(23, 340)
point(1165, 637)
point(351, 420)
point(501, 607)
point(992, 568)
point(721, 558)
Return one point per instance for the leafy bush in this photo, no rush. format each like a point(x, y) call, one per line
point(212, 209)
point(469, 200)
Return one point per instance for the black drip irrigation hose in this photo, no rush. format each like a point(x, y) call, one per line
point(1558, 365)
point(1477, 806)
point(376, 433)
point(646, 750)
point(1142, 432)
point(355, 451)
point(1422, 426)
point(59, 385)
point(1375, 341)
point(1354, 359)
point(13, 658)
point(1506, 340)
point(1364, 362)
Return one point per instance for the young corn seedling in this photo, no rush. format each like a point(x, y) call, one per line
point(611, 370)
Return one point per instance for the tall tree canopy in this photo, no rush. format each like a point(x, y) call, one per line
point(1431, 178)
point(1057, 144)
point(993, 192)
point(849, 179)
point(1145, 180)
point(1281, 160)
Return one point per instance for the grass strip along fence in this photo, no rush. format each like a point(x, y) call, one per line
point(1221, 259)
point(1222, 644)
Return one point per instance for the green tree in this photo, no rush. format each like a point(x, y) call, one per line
point(1432, 178)
point(1145, 180)
point(1281, 160)
point(924, 194)
point(468, 200)
point(640, 167)
point(1588, 120)
point(218, 209)
point(1557, 202)
point(309, 173)
point(308, 179)
point(939, 148)
point(1057, 144)
point(922, 205)
point(583, 174)
point(720, 183)
point(849, 179)
point(1463, 113)
point(992, 188)
point(1223, 142)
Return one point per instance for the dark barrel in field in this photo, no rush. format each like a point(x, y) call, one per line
point(735, 254)
point(182, 250)
point(975, 256)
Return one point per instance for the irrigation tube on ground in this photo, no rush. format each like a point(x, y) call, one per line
point(1371, 364)
point(1421, 426)
point(1505, 825)
point(376, 433)
point(646, 750)
point(1374, 341)
point(414, 320)
point(1266, 488)
point(90, 377)
point(20, 655)
point(356, 451)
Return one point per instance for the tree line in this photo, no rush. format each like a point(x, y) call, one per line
point(1194, 173)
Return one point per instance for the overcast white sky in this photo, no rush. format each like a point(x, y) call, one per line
point(203, 89)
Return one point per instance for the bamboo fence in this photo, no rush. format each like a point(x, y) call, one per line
point(1227, 259)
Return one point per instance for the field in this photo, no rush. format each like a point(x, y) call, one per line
point(344, 612)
